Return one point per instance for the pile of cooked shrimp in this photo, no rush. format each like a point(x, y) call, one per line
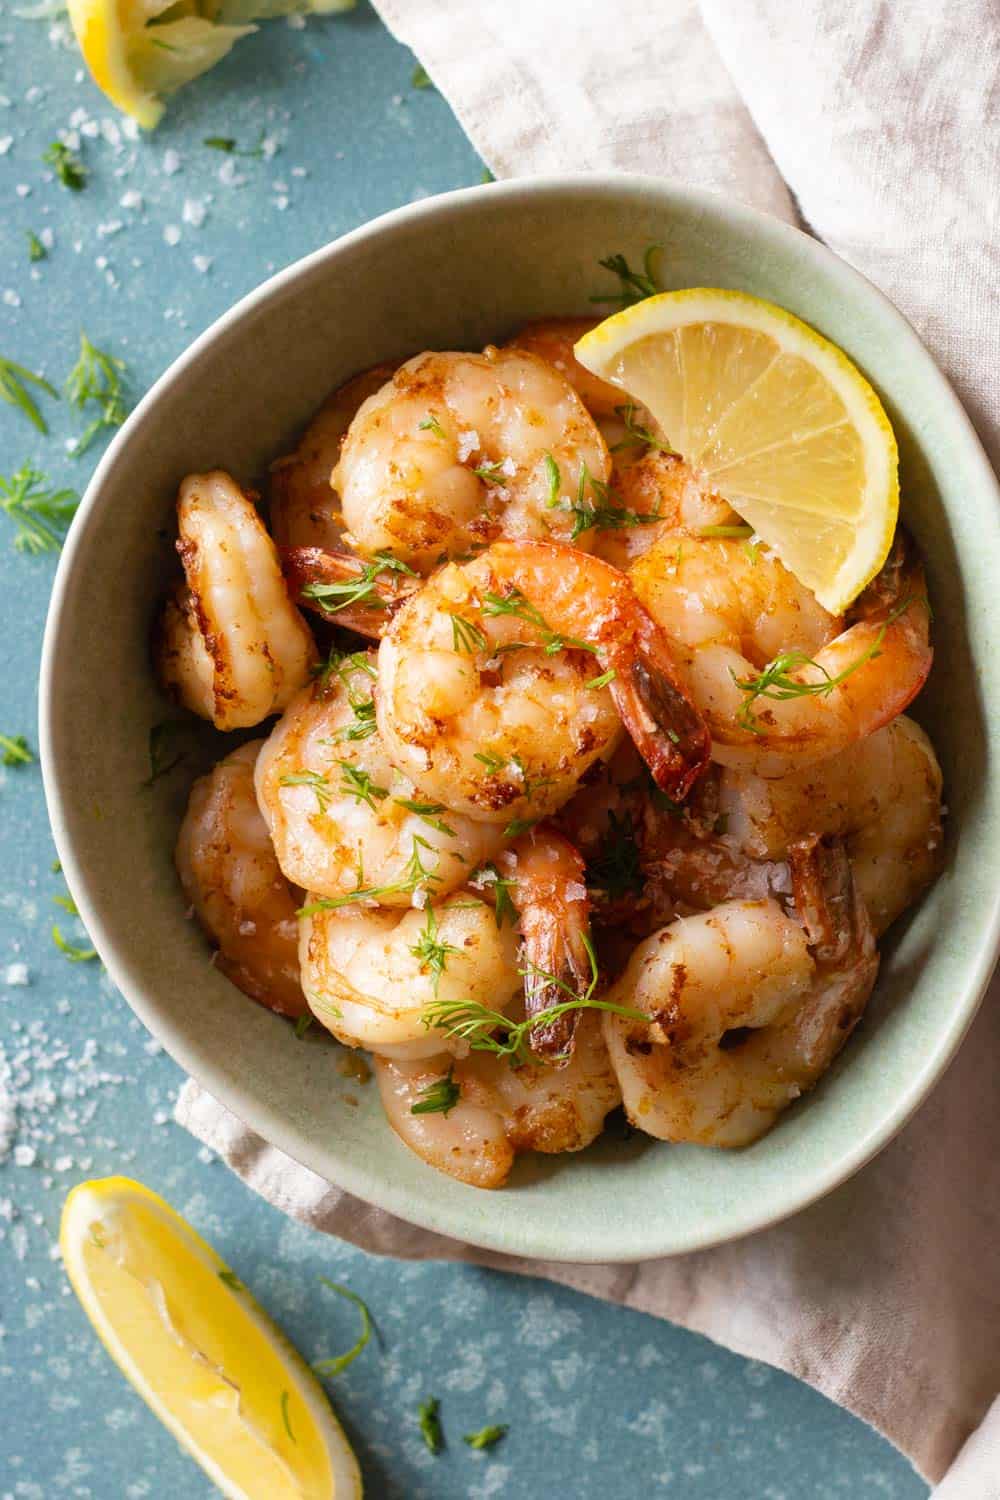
point(576, 798)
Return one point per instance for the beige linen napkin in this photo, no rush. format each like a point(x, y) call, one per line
point(880, 121)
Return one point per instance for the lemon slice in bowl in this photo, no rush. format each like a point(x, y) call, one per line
point(198, 1349)
point(775, 417)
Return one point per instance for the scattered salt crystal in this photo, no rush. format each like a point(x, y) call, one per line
point(19, 1241)
point(300, 172)
point(23, 190)
point(269, 147)
point(206, 1156)
point(16, 974)
point(575, 891)
point(91, 130)
point(11, 298)
point(112, 226)
point(111, 132)
point(24, 1156)
point(152, 1047)
point(47, 238)
point(55, 1253)
point(509, 467)
point(131, 199)
point(8, 1122)
point(161, 1117)
point(281, 203)
point(6, 141)
point(420, 899)
point(194, 212)
point(130, 129)
point(229, 176)
point(171, 162)
point(33, 94)
point(101, 262)
point(172, 234)
point(62, 1164)
point(468, 443)
point(201, 263)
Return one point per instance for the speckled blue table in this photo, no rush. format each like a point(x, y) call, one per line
point(601, 1402)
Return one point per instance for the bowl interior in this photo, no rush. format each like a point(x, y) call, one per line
point(458, 272)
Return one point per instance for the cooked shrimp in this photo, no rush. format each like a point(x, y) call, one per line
point(499, 681)
point(659, 486)
point(552, 339)
point(231, 878)
point(458, 449)
point(343, 819)
point(304, 507)
point(743, 1017)
point(501, 1111)
point(882, 796)
point(782, 683)
point(370, 975)
point(231, 645)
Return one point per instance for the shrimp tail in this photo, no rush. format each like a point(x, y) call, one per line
point(551, 897)
point(669, 733)
point(840, 937)
point(344, 589)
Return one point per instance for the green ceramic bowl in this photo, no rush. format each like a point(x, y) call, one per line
point(454, 272)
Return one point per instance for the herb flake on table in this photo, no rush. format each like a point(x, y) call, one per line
point(430, 1424)
point(72, 951)
point(420, 78)
point(14, 382)
point(486, 1436)
point(36, 250)
point(340, 1362)
point(40, 513)
point(68, 168)
point(16, 750)
point(96, 379)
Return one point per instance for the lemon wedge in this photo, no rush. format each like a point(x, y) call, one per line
point(198, 1349)
point(774, 416)
point(139, 51)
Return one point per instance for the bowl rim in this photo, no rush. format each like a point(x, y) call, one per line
point(410, 1204)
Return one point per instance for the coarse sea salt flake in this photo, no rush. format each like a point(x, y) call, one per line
point(16, 974)
point(131, 199)
point(23, 190)
point(201, 263)
point(24, 1156)
point(11, 298)
point(194, 212)
point(468, 442)
point(172, 234)
point(6, 141)
point(171, 162)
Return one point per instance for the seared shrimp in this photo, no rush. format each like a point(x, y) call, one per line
point(347, 824)
point(304, 507)
point(231, 878)
point(882, 796)
point(499, 681)
point(549, 891)
point(370, 975)
point(231, 645)
point(781, 682)
point(458, 449)
point(552, 339)
point(743, 1016)
point(662, 487)
point(346, 590)
point(500, 1111)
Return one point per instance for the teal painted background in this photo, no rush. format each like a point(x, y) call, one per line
point(602, 1404)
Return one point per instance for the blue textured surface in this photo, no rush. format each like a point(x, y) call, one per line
point(601, 1402)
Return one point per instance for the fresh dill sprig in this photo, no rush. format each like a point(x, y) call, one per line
point(415, 878)
point(96, 379)
point(333, 597)
point(492, 474)
point(14, 382)
point(488, 1030)
point(601, 513)
point(517, 826)
point(231, 1280)
point(465, 635)
point(164, 754)
point(16, 750)
point(427, 812)
point(359, 785)
point(634, 286)
point(340, 1362)
point(431, 424)
point(439, 1097)
point(362, 707)
point(302, 1025)
point(490, 760)
point(40, 514)
point(227, 144)
point(430, 1424)
point(314, 779)
point(486, 1436)
point(504, 908)
point(637, 436)
point(430, 952)
point(68, 168)
point(521, 608)
point(775, 680)
point(555, 481)
point(616, 871)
